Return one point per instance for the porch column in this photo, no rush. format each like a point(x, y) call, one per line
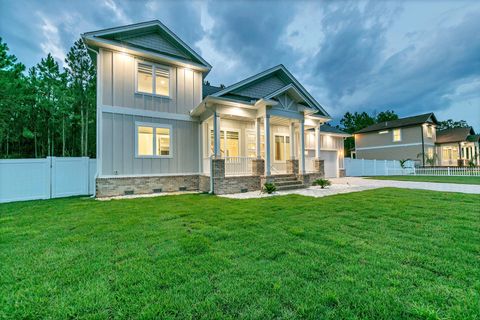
point(216, 135)
point(317, 141)
point(258, 122)
point(267, 144)
point(292, 141)
point(302, 146)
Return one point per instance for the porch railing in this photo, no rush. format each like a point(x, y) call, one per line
point(238, 166)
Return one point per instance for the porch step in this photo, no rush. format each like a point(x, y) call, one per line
point(288, 182)
point(290, 186)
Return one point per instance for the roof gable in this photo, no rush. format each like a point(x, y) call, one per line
point(268, 82)
point(150, 36)
point(454, 135)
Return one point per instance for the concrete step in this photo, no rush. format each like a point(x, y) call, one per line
point(284, 178)
point(286, 183)
point(290, 187)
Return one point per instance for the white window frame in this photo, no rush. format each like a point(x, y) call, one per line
point(225, 142)
point(154, 126)
point(393, 135)
point(154, 78)
point(429, 131)
point(286, 148)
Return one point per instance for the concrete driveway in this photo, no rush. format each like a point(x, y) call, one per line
point(354, 184)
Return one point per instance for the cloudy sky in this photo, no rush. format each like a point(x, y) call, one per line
point(412, 57)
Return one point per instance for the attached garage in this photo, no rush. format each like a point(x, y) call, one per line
point(330, 158)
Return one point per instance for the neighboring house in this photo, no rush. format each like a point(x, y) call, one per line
point(412, 137)
point(458, 146)
point(406, 138)
point(160, 129)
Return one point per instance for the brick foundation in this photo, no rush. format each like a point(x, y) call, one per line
point(341, 173)
point(204, 183)
point(228, 185)
point(258, 167)
point(308, 178)
point(118, 186)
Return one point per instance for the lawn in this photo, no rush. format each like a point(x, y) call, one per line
point(378, 254)
point(442, 179)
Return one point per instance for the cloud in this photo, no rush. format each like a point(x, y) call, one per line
point(51, 42)
point(118, 12)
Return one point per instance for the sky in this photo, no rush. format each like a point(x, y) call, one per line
point(412, 57)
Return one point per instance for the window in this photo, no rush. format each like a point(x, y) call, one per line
point(429, 131)
point(148, 83)
point(430, 153)
point(153, 140)
point(397, 135)
point(383, 132)
point(282, 148)
point(251, 145)
point(310, 140)
point(229, 143)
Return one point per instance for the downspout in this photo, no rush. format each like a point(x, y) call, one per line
point(423, 147)
point(211, 177)
point(96, 158)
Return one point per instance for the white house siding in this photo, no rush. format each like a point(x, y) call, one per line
point(118, 153)
point(118, 86)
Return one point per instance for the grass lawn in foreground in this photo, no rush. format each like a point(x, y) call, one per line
point(378, 254)
point(441, 179)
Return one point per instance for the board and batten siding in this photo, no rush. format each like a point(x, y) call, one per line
point(118, 152)
point(118, 86)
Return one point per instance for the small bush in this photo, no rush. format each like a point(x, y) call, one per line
point(322, 183)
point(269, 187)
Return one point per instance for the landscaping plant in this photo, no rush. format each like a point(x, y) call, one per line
point(269, 187)
point(322, 183)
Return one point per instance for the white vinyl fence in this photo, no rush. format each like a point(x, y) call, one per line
point(52, 177)
point(362, 167)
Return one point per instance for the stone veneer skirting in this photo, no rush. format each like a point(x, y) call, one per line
point(117, 186)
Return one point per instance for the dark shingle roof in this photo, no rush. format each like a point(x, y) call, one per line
point(454, 135)
point(403, 122)
point(328, 128)
point(208, 90)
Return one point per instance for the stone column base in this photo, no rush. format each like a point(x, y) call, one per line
point(292, 166)
point(319, 166)
point(341, 173)
point(258, 167)
point(218, 168)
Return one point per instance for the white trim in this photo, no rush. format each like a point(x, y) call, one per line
point(395, 146)
point(146, 113)
point(154, 66)
point(154, 126)
point(151, 175)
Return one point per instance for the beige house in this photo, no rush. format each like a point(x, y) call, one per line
point(416, 138)
point(406, 138)
point(457, 146)
point(161, 128)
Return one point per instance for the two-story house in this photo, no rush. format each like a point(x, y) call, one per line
point(417, 138)
point(406, 138)
point(159, 128)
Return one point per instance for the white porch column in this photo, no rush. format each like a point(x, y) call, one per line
point(267, 144)
point(317, 141)
point(302, 146)
point(292, 140)
point(258, 122)
point(216, 135)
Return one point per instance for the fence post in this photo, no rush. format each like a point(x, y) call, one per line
point(448, 171)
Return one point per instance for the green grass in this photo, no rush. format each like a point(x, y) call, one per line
point(442, 179)
point(378, 254)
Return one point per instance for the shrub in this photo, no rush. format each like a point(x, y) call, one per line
point(322, 183)
point(269, 187)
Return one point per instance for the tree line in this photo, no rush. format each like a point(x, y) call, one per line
point(47, 110)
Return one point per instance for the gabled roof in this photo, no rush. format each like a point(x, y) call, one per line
point(233, 90)
point(454, 135)
point(403, 122)
point(209, 90)
point(328, 128)
point(147, 37)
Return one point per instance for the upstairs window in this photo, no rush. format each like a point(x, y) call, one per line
point(397, 135)
point(429, 131)
point(153, 79)
point(153, 140)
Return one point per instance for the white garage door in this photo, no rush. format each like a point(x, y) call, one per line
point(331, 163)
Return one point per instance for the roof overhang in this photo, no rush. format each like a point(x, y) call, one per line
point(95, 39)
